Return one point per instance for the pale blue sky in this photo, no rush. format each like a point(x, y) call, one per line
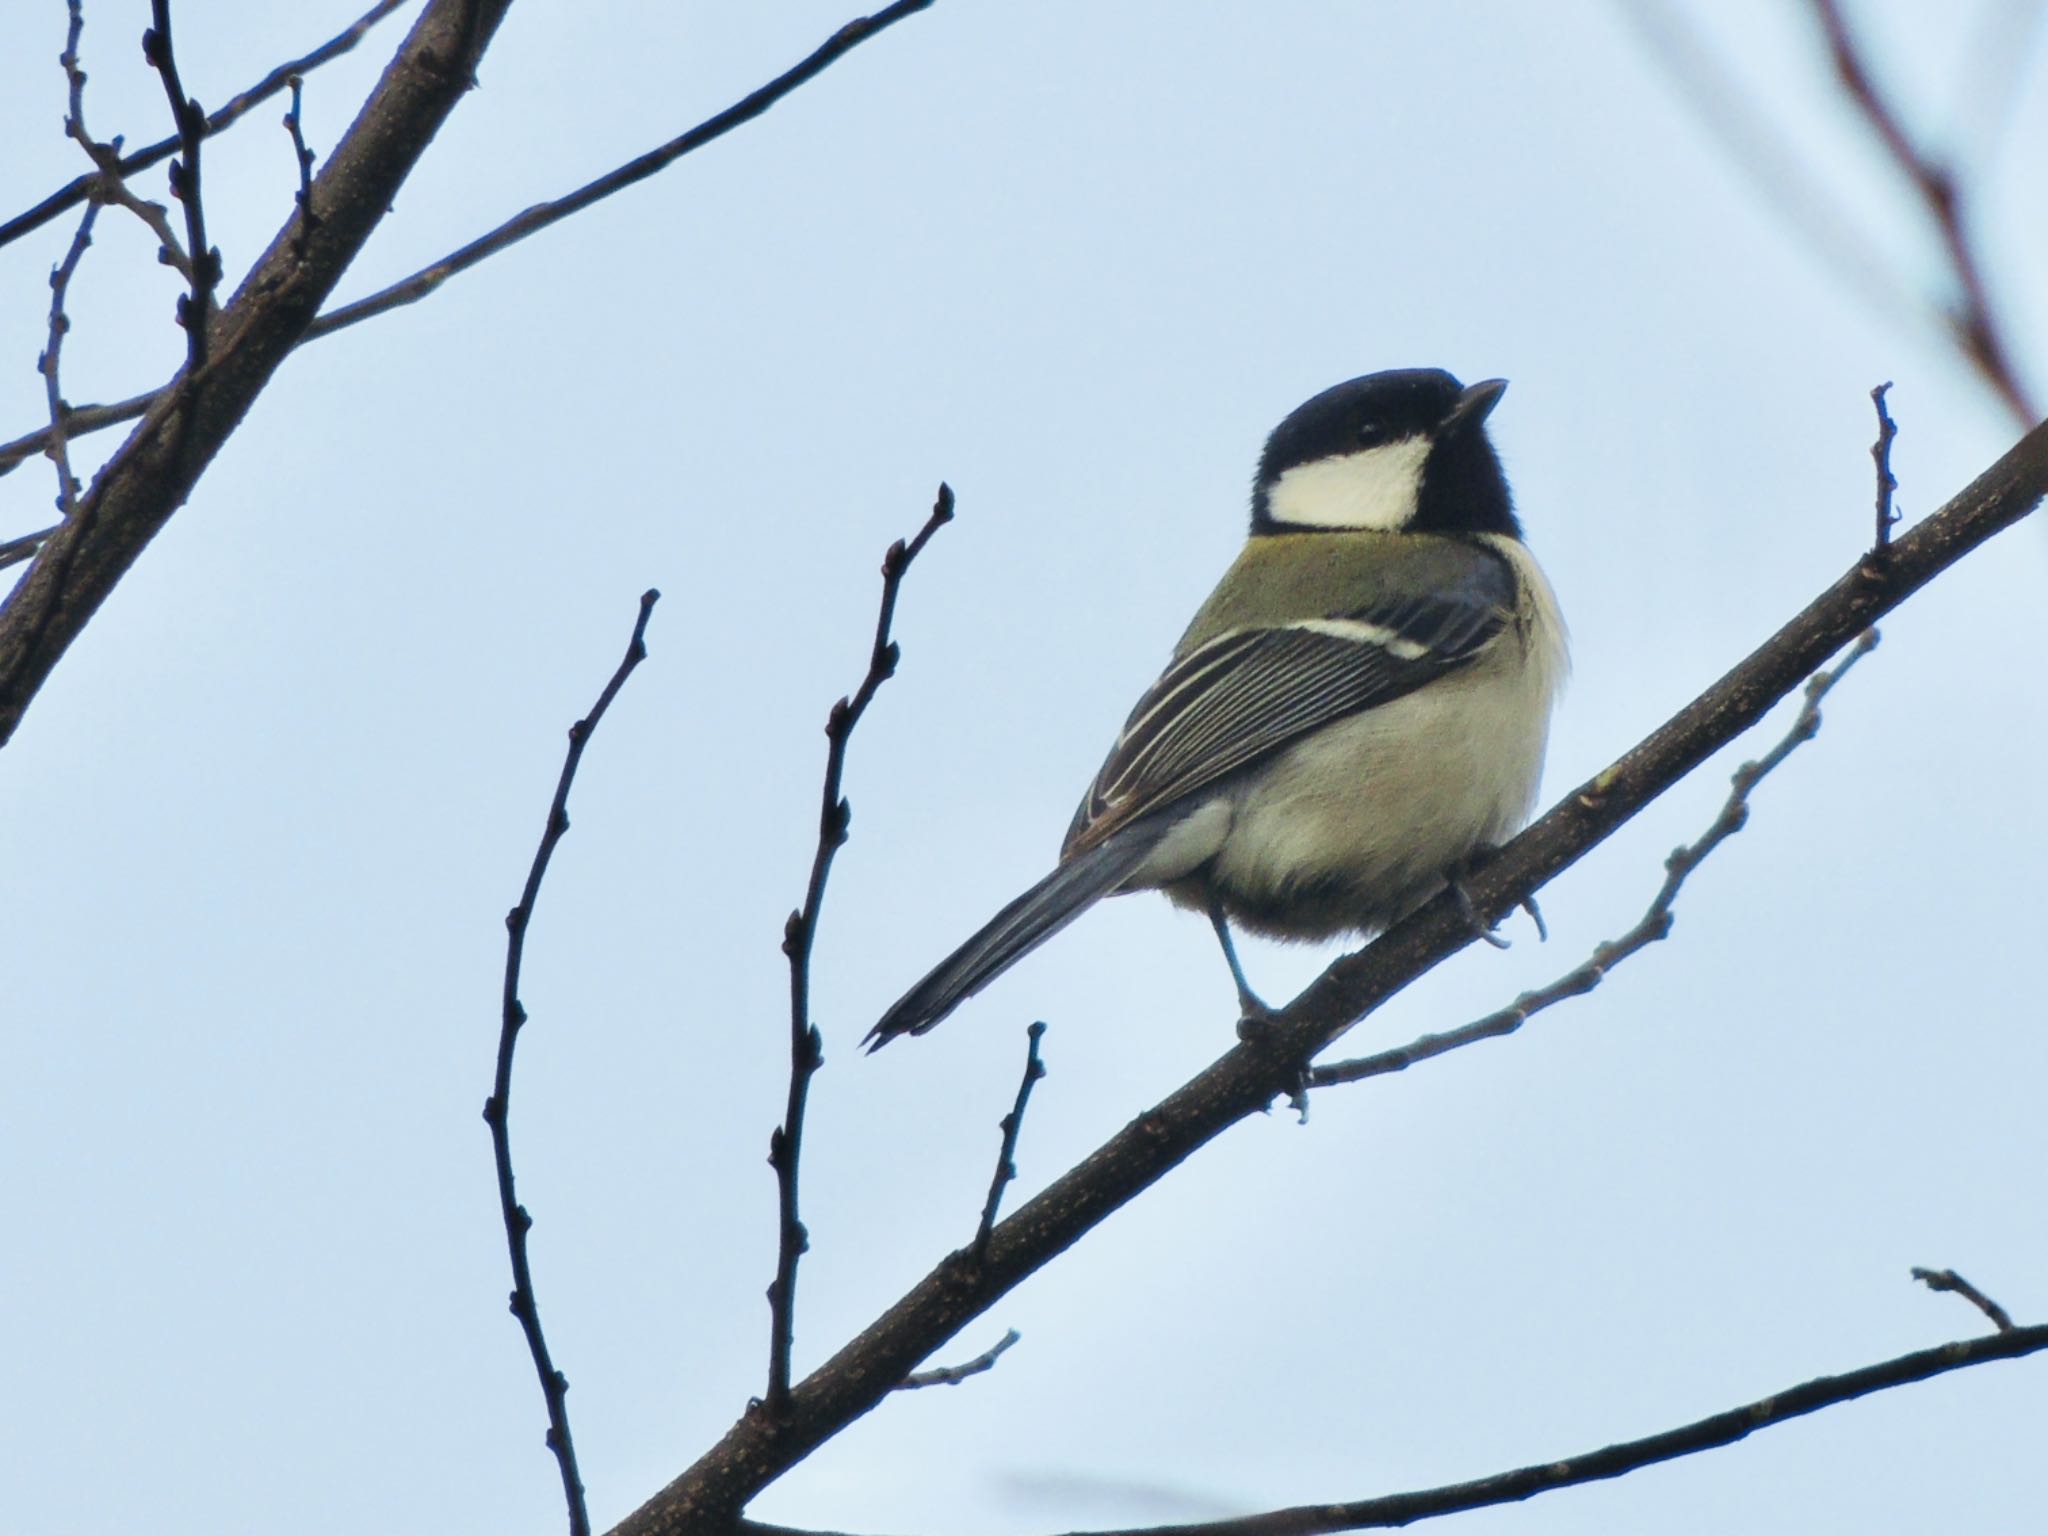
point(265, 821)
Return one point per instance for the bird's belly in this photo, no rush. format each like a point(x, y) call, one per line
point(1354, 826)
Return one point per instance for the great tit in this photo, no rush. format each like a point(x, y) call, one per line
point(1357, 711)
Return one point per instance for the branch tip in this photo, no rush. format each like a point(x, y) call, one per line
point(806, 1042)
point(517, 1220)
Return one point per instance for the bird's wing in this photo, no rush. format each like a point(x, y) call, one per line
point(1244, 694)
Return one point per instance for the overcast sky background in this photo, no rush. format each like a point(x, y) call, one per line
point(263, 825)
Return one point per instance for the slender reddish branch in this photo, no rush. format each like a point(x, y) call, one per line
point(1976, 326)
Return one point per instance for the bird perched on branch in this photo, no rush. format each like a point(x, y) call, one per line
point(1358, 709)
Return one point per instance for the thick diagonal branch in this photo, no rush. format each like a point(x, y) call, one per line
point(760, 1447)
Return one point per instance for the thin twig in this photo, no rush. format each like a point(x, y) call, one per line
point(806, 1044)
point(154, 473)
point(106, 185)
point(308, 220)
point(554, 1385)
point(1006, 1159)
point(756, 1449)
point(47, 364)
point(1976, 328)
point(1949, 1280)
point(79, 188)
point(195, 311)
point(1655, 923)
point(953, 1375)
point(14, 551)
point(78, 420)
point(1710, 1433)
point(1881, 456)
point(411, 290)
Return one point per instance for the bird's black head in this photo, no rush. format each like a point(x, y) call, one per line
point(1401, 450)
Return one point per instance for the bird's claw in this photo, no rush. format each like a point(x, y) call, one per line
point(1479, 926)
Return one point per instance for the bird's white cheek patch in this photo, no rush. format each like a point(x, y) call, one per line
point(1374, 488)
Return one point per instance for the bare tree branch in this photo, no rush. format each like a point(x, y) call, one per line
point(150, 476)
point(14, 551)
point(107, 185)
point(953, 1375)
point(760, 1447)
point(410, 290)
point(1612, 1461)
point(75, 191)
point(195, 312)
point(1654, 925)
point(1976, 327)
point(48, 364)
point(92, 418)
point(304, 157)
point(806, 1045)
point(554, 1385)
point(1881, 456)
point(78, 420)
point(1949, 1280)
point(1808, 205)
point(1006, 1156)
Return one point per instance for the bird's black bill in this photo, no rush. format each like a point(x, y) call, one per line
point(1475, 404)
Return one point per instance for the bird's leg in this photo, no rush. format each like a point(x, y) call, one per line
point(1455, 879)
point(1254, 1013)
point(1252, 1010)
point(1536, 916)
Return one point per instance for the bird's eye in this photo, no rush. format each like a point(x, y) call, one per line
point(1369, 434)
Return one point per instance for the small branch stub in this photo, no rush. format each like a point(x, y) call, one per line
point(1881, 456)
point(1006, 1158)
point(953, 1375)
point(308, 220)
point(1949, 1280)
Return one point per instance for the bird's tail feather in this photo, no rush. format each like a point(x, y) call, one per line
point(1071, 889)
